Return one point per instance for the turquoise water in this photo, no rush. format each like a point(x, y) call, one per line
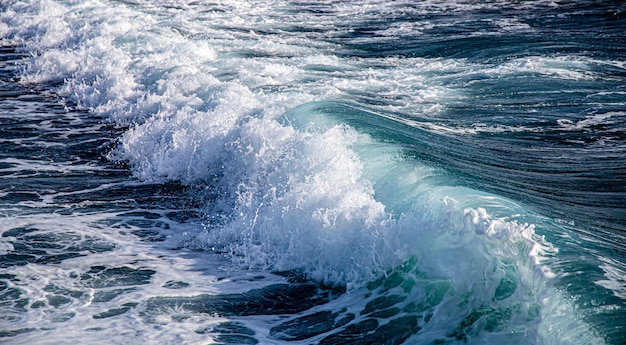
point(262, 172)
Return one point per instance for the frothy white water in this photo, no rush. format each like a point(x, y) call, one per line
point(203, 95)
point(76, 301)
point(344, 206)
point(201, 113)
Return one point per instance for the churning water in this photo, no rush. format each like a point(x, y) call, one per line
point(312, 172)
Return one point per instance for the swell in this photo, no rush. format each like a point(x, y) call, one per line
point(562, 180)
point(345, 194)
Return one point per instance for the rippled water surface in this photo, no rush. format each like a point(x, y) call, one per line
point(293, 172)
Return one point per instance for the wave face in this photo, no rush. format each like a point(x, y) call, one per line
point(365, 172)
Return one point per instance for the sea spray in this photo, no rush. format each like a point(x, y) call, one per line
point(370, 151)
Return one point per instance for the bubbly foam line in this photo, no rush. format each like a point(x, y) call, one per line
point(178, 73)
point(20, 165)
point(590, 121)
point(80, 299)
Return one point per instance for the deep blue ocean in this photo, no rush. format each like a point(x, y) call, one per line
point(312, 172)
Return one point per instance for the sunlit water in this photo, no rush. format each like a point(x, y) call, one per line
point(364, 172)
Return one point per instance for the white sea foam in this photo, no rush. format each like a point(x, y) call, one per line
point(202, 114)
point(203, 95)
point(590, 121)
point(78, 299)
point(512, 24)
point(561, 67)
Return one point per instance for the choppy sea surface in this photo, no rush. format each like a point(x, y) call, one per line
point(312, 172)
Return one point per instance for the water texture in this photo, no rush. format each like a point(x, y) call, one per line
point(294, 172)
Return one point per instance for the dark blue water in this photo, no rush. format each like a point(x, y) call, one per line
point(300, 172)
